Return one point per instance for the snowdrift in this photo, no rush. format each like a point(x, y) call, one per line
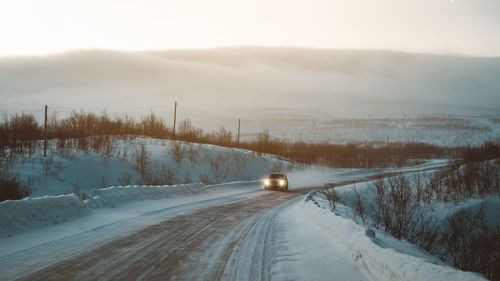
point(17, 216)
point(20, 215)
point(117, 195)
point(382, 263)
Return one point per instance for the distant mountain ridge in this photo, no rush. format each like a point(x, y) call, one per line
point(250, 77)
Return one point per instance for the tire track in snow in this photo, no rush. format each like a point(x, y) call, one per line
point(235, 241)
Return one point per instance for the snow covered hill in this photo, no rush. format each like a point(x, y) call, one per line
point(166, 162)
point(309, 77)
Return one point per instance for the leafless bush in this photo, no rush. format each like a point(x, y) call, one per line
point(47, 164)
point(142, 159)
point(379, 207)
point(471, 244)
point(187, 178)
point(192, 153)
point(205, 179)
point(403, 213)
point(76, 189)
point(176, 151)
point(11, 188)
point(239, 162)
point(50, 167)
point(223, 136)
point(359, 206)
point(108, 147)
point(124, 179)
point(332, 197)
point(218, 166)
point(124, 155)
point(461, 180)
point(159, 174)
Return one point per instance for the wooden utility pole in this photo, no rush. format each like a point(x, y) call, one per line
point(175, 116)
point(45, 134)
point(239, 123)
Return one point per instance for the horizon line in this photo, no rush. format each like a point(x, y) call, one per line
point(152, 50)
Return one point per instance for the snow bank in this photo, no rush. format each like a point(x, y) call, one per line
point(382, 263)
point(118, 195)
point(20, 215)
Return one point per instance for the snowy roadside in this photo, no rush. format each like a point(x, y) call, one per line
point(32, 214)
point(381, 257)
point(35, 221)
point(59, 227)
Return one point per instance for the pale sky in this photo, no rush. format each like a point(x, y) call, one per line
point(470, 27)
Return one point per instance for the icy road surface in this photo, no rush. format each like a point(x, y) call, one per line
point(247, 240)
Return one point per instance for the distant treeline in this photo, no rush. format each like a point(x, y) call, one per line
point(21, 133)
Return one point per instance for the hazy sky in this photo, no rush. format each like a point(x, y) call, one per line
point(438, 26)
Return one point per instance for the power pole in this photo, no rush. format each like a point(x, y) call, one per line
point(239, 123)
point(45, 134)
point(175, 116)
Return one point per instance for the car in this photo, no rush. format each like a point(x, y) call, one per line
point(276, 181)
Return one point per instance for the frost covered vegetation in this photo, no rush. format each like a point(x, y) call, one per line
point(21, 133)
point(452, 213)
point(85, 164)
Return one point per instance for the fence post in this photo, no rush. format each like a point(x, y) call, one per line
point(175, 116)
point(239, 123)
point(45, 134)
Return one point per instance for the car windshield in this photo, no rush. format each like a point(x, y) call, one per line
point(276, 176)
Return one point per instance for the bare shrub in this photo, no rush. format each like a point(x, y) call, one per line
point(76, 189)
point(51, 167)
point(218, 166)
point(223, 137)
point(47, 165)
point(141, 159)
point(397, 212)
point(11, 188)
point(471, 244)
point(192, 153)
point(403, 213)
point(124, 155)
point(332, 197)
point(240, 163)
point(186, 131)
point(461, 180)
point(159, 174)
point(359, 206)
point(205, 179)
point(124, 179)
point(176, 151)
point(379, 208)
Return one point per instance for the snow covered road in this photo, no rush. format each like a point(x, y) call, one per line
point(233, 232)
point(237, 241)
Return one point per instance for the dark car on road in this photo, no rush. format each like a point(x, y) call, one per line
point(277, 181)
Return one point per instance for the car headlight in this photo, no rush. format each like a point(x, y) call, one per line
point(267, 182)
point(282, 182)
